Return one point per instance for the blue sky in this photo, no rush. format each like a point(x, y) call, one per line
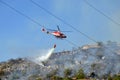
point(21, 37)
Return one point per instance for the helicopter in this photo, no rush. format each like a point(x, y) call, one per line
point(57, 33)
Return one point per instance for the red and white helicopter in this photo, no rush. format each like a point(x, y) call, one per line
point(56, 33)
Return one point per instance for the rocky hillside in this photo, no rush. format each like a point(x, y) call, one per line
point(99, 59)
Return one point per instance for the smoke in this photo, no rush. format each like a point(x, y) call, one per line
point(43, 56)
point(96, 58)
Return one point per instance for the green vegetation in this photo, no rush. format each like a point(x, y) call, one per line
point(56, 78)
point(67, 78)
point(67, 72)
point(67, 75)
point(34, 77)
point(109, 77)
point(80, 74)
point(51, 74)
point(116, 77)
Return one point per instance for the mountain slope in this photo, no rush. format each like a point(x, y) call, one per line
point(102, 59)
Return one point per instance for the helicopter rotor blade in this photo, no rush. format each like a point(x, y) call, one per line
point(58, 28)
point(51, 30)
point(66, 31)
